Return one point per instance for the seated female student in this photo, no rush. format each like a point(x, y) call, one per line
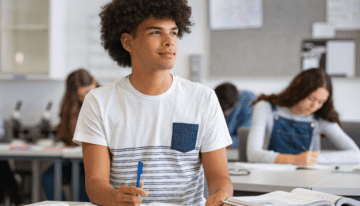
point(78, 84)
point(286, 127)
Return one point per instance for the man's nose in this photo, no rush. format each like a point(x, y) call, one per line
point(169, 40)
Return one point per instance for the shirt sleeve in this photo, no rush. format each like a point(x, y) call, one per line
point(90, 127)
point(348, 151)
point(216, 134)
point(257, 135)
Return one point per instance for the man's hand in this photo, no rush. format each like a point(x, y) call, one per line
point(130, 195)
point(215, 199)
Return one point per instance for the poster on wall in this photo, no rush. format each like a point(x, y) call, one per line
point(343, 14)
point(235, 14)
point(336, 56)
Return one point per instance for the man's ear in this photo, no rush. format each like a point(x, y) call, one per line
point(126, 41)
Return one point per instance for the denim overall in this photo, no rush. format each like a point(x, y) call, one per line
point(290, 136)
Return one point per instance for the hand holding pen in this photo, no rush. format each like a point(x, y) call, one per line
point(132, 194)
point(307, 158)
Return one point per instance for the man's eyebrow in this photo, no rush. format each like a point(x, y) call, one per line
point(159, 28)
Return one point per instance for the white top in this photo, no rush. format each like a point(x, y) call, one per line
point(263, 121)
point(155, 130)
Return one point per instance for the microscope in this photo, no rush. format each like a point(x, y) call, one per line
point(46, 131)
point(16, 126)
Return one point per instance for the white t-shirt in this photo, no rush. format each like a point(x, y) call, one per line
point(166, 132)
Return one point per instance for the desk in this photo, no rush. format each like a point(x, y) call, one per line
point(75, 156)
point(269, 181)
point(319, 180)
point(341, 184)
point(35, 155)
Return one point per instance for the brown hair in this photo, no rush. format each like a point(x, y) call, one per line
point(302, 86)
point(227, 94)
point(70, 106)
point(124, 16)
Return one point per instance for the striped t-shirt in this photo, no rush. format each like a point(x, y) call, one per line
point(166, 132)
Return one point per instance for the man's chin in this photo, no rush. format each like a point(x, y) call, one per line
point(166, 66)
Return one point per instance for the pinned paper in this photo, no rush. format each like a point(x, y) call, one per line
point(323, 30)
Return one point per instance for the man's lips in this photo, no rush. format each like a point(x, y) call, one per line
point(170, 53)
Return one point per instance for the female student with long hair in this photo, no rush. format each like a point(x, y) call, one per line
point(78, 84)
point(287, 127)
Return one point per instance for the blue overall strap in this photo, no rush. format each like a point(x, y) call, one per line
point(273, 107)
point(289, 136)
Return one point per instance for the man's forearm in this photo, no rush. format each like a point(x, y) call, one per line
point(101, 193)
point(221, 184)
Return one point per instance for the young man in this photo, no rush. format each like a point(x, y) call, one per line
point(174, 126)
point(237, 108)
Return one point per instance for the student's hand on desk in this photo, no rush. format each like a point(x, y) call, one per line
point(127, 195)
point(215, 199)
point(302, 159)
point(306, 158)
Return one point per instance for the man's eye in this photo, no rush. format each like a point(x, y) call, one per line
point(174, 33)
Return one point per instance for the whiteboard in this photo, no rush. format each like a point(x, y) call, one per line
point(339, 56)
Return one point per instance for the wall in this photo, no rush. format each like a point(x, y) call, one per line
point(346, 92)
point(36, 94)
point(276, 43)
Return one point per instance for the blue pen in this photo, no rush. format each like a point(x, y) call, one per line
point(139, 172)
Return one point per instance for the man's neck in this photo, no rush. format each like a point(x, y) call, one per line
point(154, 83)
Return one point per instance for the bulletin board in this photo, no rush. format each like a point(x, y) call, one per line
point(336, 56)
point(274, 49)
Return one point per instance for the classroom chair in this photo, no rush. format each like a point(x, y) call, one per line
point(242, 133)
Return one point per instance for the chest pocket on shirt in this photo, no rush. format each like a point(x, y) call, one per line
point(184, 136)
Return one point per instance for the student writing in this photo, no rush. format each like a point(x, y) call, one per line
point(237, 108)
point(287, 126)
point(174, 126)
point(78, 84)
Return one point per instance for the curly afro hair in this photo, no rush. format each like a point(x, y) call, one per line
point(124, 16)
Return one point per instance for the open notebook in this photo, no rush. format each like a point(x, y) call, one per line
point(298, 197)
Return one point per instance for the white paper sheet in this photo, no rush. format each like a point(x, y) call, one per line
point(340, 58)
point(265, 166)
point(323, 30)
point(235, 14)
